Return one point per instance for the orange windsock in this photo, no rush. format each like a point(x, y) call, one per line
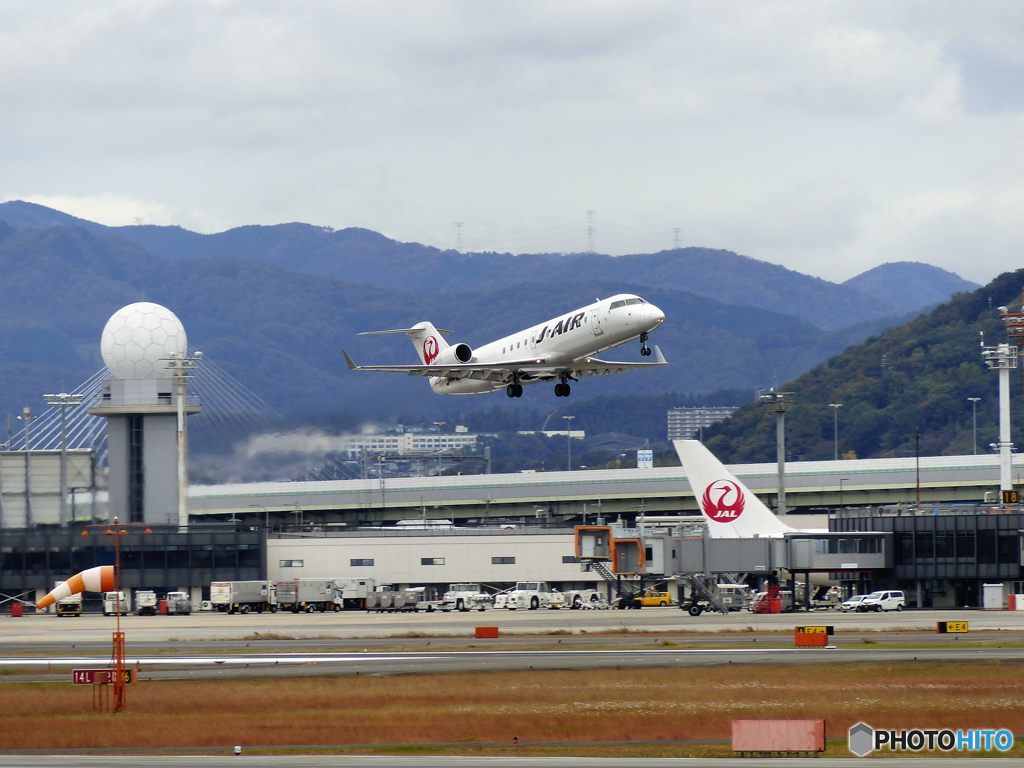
point(98, 579)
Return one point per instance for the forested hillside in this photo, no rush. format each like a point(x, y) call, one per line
point(914, 378)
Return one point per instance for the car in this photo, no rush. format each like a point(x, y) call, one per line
point(651, 598)
point(883, 600)
point(852, 604)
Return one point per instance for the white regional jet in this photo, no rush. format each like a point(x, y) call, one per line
point(562, 349)
point(731, 509)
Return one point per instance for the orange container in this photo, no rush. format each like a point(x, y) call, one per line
point(486, 632)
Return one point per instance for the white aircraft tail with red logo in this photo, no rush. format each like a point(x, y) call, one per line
point(425, 337)
point(732, 511)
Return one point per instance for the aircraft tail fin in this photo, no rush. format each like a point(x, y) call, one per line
point(731, 510)
point(427, 339)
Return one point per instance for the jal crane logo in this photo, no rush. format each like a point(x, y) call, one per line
point(430, 350)
point(723, 501)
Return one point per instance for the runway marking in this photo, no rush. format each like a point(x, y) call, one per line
point(299, 658)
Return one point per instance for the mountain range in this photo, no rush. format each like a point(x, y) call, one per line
point(274, 305)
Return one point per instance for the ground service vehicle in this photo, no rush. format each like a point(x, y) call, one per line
point(530, 595)
point(735, 596)
point(465, 597)
point(116, 602)
point(883, 600)
point(309, 595)
point(243, 596)
point(652, 597)
point(70, 605)
point(145, 602)
point(179, 603)
point(354, 593)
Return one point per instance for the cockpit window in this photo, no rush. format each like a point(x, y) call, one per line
point(624, 302)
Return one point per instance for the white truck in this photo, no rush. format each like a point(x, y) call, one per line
point(70, 605)
point(465, 597)
point(309, 595)
point(354, 593)
point(243, 596)
point(117, 602)
point(145, 602)
point(530, 595)
point(179, 603)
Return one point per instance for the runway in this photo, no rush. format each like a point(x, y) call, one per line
point(215, 645)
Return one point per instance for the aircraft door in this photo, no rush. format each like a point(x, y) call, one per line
point(595, 321)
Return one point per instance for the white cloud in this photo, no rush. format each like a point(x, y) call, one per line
point(819, 135)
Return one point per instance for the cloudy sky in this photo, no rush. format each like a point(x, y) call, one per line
point(825, 136)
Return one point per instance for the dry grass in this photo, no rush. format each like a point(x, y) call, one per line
point(537, 707)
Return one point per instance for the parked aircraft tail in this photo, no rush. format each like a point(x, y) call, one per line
point(732, 511)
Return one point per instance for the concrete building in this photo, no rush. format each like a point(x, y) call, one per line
point(686, 423)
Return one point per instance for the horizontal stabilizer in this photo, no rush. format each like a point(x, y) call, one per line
point(406, 331)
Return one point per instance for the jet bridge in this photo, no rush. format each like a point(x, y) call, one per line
point(675, 551)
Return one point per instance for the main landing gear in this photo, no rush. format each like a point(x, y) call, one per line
point(515, 389)
point(562, 388)
point(644, 349)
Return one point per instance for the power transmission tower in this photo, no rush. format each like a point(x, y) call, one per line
point(675, 237)
point(590, 231)
point(458, 236)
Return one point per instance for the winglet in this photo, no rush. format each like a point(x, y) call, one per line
point(658, 357)
point(348, 359)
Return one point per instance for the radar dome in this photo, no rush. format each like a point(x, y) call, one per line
point(137, 336)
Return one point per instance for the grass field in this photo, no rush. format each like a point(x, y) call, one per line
point(613, 712)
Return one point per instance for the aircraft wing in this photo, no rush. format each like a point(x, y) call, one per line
point(494, 372)
point(530, 368)
point(595, 366)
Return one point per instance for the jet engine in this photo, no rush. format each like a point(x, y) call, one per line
point(456, 353)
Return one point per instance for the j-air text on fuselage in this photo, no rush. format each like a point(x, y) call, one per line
point(562, 349)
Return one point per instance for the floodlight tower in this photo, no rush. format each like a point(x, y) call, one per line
point(778, 402)
point(63, 400)
point(1003, 358)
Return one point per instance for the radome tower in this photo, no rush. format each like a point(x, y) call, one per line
point(145, 347)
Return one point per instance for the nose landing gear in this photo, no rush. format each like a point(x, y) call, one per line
point(644, 349)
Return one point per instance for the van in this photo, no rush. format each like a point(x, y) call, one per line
point(883, 600)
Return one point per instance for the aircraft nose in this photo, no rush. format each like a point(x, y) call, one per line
point(656, 315)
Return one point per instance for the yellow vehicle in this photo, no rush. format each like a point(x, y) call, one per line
point(651, 598)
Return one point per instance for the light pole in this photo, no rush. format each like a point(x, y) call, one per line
point(974, 422)
point(779, 401)
point(835, 429)
point(181, 366)
point(568, 440)
point(841, 481)
point(63, 400)
point(28, 418)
